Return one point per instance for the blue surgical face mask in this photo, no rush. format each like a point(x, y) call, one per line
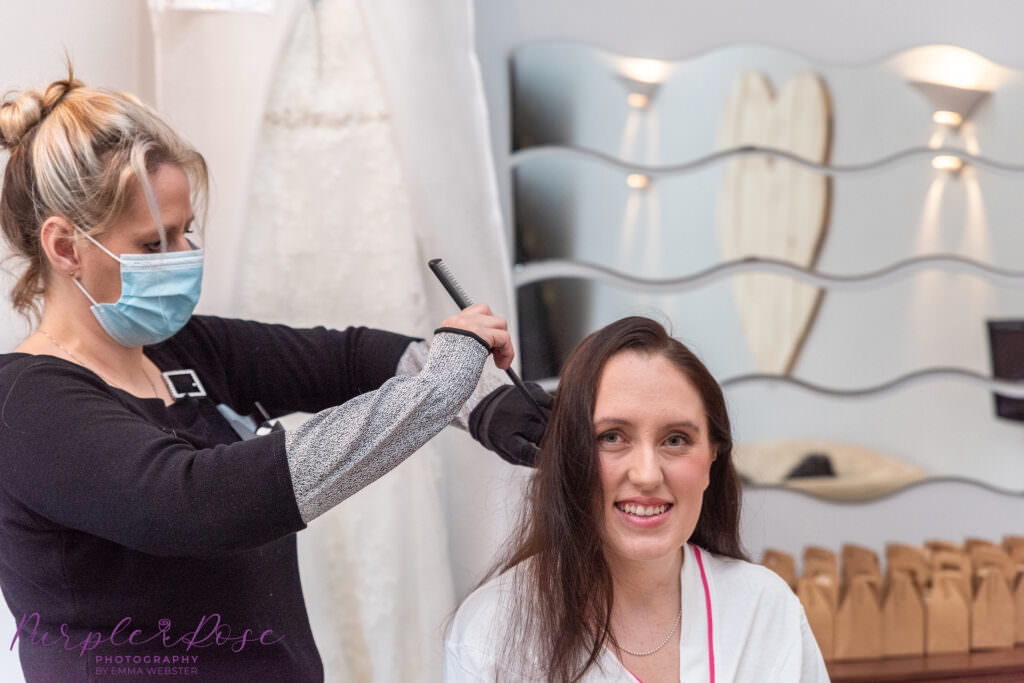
point(158, 294)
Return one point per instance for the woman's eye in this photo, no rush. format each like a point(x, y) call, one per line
point(609, 437)
point(152, 246)
point(677, 440)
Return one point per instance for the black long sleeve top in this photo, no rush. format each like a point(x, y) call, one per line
point(119, 514)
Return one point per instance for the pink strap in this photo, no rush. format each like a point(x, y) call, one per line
point(707, 602)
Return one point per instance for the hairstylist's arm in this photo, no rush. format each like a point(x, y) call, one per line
point(153, 491)
point(496, 414)
point(340, 450)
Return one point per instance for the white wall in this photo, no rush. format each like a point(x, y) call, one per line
point(939, 509)
point(841, 34)
point(109, 44)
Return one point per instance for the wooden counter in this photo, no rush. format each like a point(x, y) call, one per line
point(996, 665)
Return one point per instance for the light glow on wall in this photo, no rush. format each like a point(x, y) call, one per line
point(637, 181)
point(644, 70)
point(947, 118)
point(638, 100)
point(944, 162)
point(951, 66)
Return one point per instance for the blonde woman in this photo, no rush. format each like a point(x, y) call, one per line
point(148, 505)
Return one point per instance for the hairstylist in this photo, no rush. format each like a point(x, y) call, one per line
point(146, 517)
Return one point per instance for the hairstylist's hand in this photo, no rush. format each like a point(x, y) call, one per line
point(479, 320)
point(507, 423)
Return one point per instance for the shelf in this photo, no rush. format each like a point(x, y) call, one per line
point(997, 665)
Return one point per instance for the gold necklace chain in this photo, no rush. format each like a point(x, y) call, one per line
point(675, 625)
point(72, 356)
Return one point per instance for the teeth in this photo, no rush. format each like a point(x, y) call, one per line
point(641, 510)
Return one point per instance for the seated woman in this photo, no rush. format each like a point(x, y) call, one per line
point(627, 564)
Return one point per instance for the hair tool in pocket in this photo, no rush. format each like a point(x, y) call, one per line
point(463, 300)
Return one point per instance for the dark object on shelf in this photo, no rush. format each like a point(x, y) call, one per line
point(1006, 340)
point(813, 465)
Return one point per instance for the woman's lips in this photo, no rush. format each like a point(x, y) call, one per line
point(643, 516)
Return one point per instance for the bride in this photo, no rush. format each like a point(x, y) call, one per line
point(627, 563)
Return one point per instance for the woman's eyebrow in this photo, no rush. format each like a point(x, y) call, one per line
point(684, 424)
point(612, 421)
point(619, 421)
point(175, 225)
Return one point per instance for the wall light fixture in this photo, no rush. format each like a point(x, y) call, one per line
point(642, 78)
point(951, 106)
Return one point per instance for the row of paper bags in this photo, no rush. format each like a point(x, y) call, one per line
point(942, 598)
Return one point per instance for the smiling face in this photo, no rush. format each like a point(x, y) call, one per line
point(654, 455)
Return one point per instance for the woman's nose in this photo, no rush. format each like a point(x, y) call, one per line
point(182, 243)
point(644, 467)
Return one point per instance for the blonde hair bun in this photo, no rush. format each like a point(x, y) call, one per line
point(21, 111)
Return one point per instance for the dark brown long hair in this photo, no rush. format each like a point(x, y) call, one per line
point(564, 593)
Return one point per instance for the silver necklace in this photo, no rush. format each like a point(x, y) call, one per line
point(675, 625)
point(70, 355)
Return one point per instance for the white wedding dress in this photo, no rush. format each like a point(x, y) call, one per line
point(329, 240)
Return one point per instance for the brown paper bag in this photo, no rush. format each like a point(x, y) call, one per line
point(993, 556)
point(1014, 547)
point(960, 565)
point(902, 617)
point(782, 564)
point(946, 559)
point(1018, 601)
point(858, 560)
point(936, 546)
point(908, 558)
point(947, 616)
point(822, 562)
point(992, 611)
point(817, 596)
point(859, 620)
point(972, 543)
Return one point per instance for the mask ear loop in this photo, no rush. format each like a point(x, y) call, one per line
point(93, 240)
point(82, 288)
point(108, 252)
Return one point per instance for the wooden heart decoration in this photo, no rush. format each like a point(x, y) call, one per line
point(773, 208)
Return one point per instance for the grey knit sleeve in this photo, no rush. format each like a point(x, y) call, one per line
point(415, 357)
point(342, 449)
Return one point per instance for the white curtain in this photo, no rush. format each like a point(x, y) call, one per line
point(353, 149)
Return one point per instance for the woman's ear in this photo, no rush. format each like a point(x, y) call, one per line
point(60, 243)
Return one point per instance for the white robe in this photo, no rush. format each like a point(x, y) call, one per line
point(759, 630)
